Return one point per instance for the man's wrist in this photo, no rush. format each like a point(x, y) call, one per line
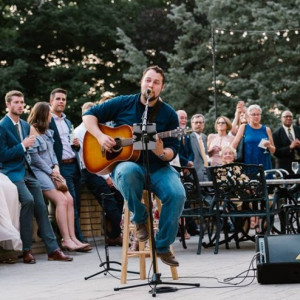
point(162, 155)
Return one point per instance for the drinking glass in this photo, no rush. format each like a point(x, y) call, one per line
point(295, 167)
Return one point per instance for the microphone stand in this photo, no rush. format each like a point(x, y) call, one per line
point(147, 136)
point(107, 263)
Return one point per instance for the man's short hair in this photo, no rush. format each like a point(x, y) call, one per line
point(57, 90)
point(197, 116)
point(157, 69)
point(12, 93)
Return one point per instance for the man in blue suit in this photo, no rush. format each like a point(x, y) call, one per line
point(66, 149)
point(15, 139)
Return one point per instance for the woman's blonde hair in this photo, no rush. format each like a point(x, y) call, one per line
point(228, 147)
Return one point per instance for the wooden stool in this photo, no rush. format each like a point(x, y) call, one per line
point(142, 253)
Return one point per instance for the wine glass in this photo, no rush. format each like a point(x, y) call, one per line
point(295, 166)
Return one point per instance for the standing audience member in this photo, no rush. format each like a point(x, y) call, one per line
point(258, 144)
point(199, 146)
point(258, 140)
point(44, 165)
point(287, 142)
point(103, 189)
point(68, 160)
point(215, 142)
point(9, 216)
point(129, 177)
point(15, 141)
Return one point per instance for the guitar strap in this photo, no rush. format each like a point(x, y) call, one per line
point(155, 110)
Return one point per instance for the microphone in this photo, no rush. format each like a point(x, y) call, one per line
point(148, 92)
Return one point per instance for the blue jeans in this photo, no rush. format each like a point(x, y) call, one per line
point(129, 179)
point(72, 175)
point(33, 204)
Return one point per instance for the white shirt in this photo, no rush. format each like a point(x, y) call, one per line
point(64, 133)
point(79, 133)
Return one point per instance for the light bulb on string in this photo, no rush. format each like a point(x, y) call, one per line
point(296, 31)
point(245, 34)
point(231, 33)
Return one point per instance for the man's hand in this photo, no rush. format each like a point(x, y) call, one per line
point(29, 141)
point(76, 142)
point(109, 182)
point(106, 142)
point(159, 147)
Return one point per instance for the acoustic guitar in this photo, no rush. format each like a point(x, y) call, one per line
point(98, 160)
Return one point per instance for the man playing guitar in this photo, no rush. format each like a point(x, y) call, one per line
point(129, 176)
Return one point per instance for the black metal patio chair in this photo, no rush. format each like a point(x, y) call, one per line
point(241, 193)
point(199, 207)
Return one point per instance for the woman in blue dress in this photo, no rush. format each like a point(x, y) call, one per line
point(44, 165)
point(258, 142)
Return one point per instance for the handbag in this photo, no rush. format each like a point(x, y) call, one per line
point(240, 151)
point(60, 183)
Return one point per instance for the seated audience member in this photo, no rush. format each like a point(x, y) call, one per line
point(103, 189)
point(228, 155)
point(9, 216)
point(45, 167)
point(15, 141)
point(215, 142)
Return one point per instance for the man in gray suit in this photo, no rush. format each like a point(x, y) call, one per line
point(199, 146)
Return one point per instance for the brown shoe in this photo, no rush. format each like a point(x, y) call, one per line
point(142, 233)
point(59, 255)
point(168, 258)
point(28, 258)
point(114, 241)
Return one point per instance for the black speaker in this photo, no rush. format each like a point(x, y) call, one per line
point(279, 259)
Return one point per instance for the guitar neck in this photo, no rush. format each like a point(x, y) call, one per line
point(176, 133)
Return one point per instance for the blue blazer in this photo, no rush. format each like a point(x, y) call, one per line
point(12, 155)
point(58, 147)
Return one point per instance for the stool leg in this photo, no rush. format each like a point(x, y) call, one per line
point(125, 245)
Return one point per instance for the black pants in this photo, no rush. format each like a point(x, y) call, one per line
point(109, 198)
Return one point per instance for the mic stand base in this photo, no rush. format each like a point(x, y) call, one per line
point(158, 290)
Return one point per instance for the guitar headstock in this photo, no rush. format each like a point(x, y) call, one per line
point(180, 132)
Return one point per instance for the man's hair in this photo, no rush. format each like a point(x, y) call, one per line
point(10, 94)
point(57, 90)
point(157, 69)
point(87, 105)
point(197, 116)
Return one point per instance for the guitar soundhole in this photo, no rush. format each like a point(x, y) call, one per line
point(116, 150)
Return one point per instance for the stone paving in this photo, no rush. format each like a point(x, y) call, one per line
point(58, 280)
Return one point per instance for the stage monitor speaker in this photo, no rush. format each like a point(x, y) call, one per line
point(279, 259)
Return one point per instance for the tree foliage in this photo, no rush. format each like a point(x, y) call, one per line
point(95, 46)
